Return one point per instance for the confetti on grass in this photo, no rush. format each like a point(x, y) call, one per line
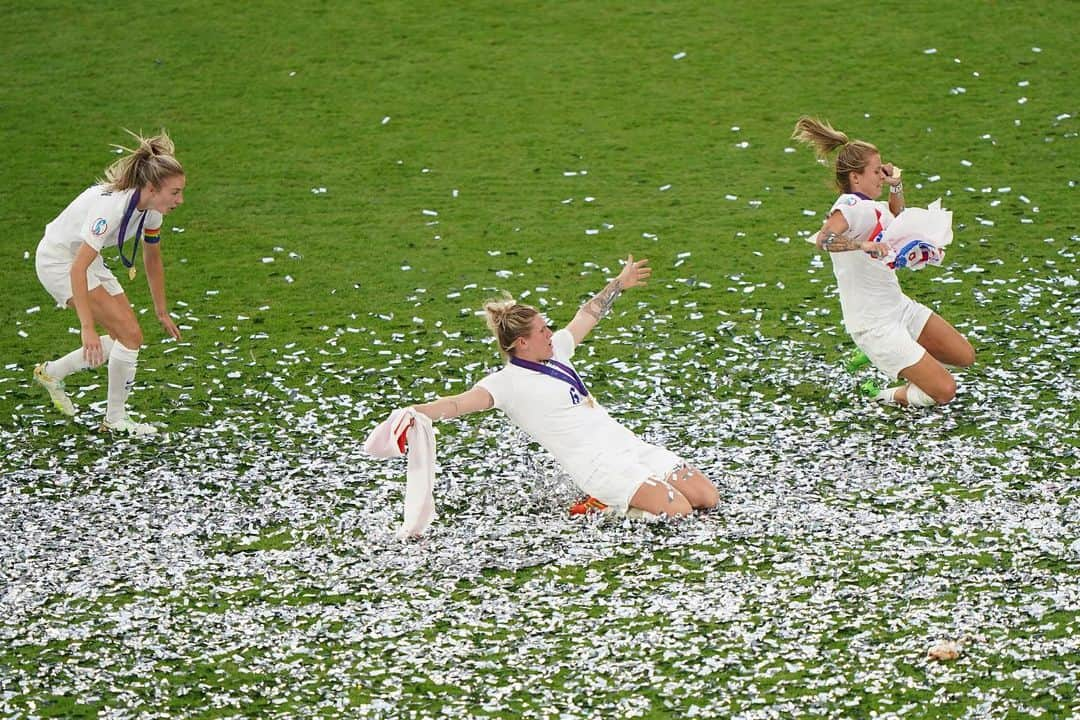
point(253, 556)
point(247, 568)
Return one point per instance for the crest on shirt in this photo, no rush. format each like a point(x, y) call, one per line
point(99, 227)
point(851, 201)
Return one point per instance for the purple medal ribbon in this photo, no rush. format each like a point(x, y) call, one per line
point(864, 197)
point(123, 229)
point(554, 369)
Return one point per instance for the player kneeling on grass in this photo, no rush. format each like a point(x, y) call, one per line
point(900, 336)
point(542, 393)
point(125, 207)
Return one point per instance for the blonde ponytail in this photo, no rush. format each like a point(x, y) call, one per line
point(854, 155)
point(821, 135)
point(152, 162)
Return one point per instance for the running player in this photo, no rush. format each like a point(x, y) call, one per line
point(121, 210)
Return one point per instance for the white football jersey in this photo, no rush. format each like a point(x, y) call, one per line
point(869, 291)
point(94, 218)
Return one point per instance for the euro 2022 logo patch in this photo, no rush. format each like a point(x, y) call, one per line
point(851, 201)
point(99, 227)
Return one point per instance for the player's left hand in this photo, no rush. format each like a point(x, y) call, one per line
point(892, 174)
point(634, 272)
point(170, 326)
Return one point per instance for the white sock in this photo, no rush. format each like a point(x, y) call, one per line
point(888, 395)
point(74, 361)
point(122, 362)
point(917, 398)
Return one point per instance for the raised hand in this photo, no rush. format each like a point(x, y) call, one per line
point(634, 273)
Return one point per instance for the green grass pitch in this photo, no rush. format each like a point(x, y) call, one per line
point(361, 177)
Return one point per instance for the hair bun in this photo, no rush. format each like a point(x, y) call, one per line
point(507, 320)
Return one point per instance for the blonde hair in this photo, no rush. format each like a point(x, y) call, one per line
point(151, 163)
point(854, 155)
point(508, 320)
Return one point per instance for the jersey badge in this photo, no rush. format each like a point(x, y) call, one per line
point(851, 201)
point(99, 227)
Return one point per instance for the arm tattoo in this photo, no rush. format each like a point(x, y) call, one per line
point(600, 305)
point(835, 242)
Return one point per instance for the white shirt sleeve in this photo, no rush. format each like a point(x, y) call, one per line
point(563, 342)
point(102, 220)
point(153, 220)
point(859, 214)
point(497, 385)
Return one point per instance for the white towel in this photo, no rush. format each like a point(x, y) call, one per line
point(917, 237)
point(384, 442)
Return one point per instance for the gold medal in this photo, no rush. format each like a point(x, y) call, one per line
point(591, 403)
point(131, 273)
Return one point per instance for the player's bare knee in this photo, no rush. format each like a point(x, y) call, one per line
point(661, 499)
point(130, 337)
point(696, 487)
point(677, 506)
point(945, 392)
point(708, 497)
point(967, 358)
point(702, 494)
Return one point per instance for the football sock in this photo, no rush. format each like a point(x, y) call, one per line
point(73, 361)
point(888, 395)
point(917, 398)
point(122, 362)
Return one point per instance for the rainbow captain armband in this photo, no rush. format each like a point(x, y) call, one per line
point(152, 235)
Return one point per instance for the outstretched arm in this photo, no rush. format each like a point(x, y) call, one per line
point(831, 238)
point(474, 400)
point(633, 273)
